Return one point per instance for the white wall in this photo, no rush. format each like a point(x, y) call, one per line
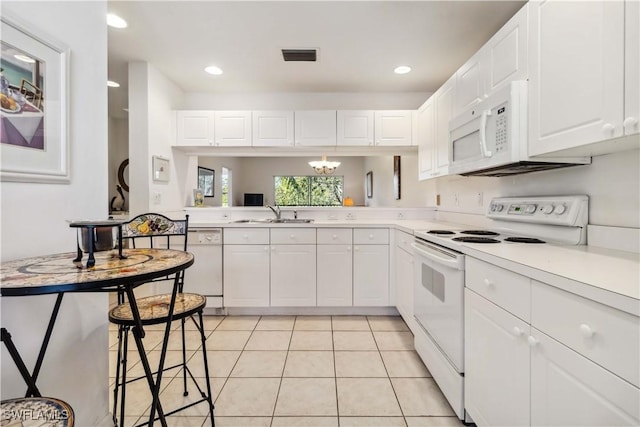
point(34, 222)
point(413, 193)
point(152, 101)
point(612, 183)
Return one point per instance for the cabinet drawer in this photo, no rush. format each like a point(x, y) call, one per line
point(246, 236)
point(371, 236)
point(509, 290)
point(334, 236)
point(293, 236)
point(404, 240)
point(609, 337)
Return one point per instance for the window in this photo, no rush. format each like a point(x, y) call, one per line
point(309, 190)
point(225, 181)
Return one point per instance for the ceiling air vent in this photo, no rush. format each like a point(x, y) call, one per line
point(299, 54)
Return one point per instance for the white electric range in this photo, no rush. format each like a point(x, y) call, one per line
point(439, 274)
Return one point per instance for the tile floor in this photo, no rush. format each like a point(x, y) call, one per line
point(278, 371)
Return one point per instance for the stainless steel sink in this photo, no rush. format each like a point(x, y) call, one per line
point(273, 221)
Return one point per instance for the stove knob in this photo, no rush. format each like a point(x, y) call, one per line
point(560, 209)
point(547, 209)
point(530, 209)
point(498, 207)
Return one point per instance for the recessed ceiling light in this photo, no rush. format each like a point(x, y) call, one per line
point(25, 58)
point(115, 21)
point(112, 84)
point(403, 69)
point(212, 69)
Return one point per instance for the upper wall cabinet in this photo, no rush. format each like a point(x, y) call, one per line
point(501, 60)
point(393, 127)
point(315, 128)
point(426, 133)
point(355, 127)
point(580, 92)
point(444, 110)
point(273, 129)
point(195, 128)
point(232, 129)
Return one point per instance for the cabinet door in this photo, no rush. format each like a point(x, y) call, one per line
point(273, 128)
point(576, 74)
point(246, 275)
point(370, 275)
point(444, 99)
point(315, 128)
point(568, 389)
point(496, 361)
point(293, 275)
point(233, 128)
point(404, 283)
point(470, 88)
point(505, 56)
point(632, 68)
point(426, 140)
point(194, 128)
point(355, 127)
point(393, 127)
point(335, 275)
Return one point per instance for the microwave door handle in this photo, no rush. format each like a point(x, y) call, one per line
point(483, 134)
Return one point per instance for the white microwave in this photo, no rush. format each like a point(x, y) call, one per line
point(490, 138)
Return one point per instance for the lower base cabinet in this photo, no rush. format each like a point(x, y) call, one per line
point(293, 275)
point(335, 276)
point(246, 275)
point(371, 275)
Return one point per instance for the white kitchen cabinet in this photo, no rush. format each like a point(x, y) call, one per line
point(334, 275)
point(631, 121)
point(246, 275)
point(195, 128)
point(315, 128)
point(444, 105)
point(370, 275)
point(273, 128)
point(393, 127)
point(293, 278)
point(568, 389)
point(501, 60)
point(577, 93)
point(404, 276)
point(232, 128)
point(573, 363)
point(497, 380)
point(426, 133)
point(355, 127)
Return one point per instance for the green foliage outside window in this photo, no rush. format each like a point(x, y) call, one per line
point(309, 190)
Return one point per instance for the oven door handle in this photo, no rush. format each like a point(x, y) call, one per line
point(440, 257)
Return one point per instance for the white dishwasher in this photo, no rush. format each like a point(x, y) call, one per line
point(204, 277)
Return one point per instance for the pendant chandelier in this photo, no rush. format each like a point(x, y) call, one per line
point(323, 167)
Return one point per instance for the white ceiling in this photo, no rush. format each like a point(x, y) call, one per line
point(359, 43)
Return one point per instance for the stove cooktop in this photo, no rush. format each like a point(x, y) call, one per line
point(478, 236)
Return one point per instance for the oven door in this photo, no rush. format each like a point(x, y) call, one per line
point(438, 298)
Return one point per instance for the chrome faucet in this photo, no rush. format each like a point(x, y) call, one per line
point(276, 211)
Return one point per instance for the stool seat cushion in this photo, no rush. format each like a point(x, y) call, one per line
point(36, 411)
point(155, 309)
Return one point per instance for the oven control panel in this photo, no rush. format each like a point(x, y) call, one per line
point(559, 210)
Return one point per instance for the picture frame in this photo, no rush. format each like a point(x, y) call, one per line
point(369, 184)
point(206, 181)
point(396, 177)
point(198, 197)
point(161, 171)
point(34, 142)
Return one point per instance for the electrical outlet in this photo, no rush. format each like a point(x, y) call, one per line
point(480, 199)
point(456, 199)
point(157, 198)
point(333, 216)
point(400, 215)
point(350, 216)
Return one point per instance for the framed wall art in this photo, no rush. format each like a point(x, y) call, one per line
point(396, 177)
point(160, 169)
point(369, 184)
point(33, 105)
point(206, 179)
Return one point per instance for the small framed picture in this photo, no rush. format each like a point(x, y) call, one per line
point(160, 169)
point(369, 184)
point(198, 197)
point(206, 178)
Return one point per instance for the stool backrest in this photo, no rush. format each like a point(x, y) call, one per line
point(154, 230)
